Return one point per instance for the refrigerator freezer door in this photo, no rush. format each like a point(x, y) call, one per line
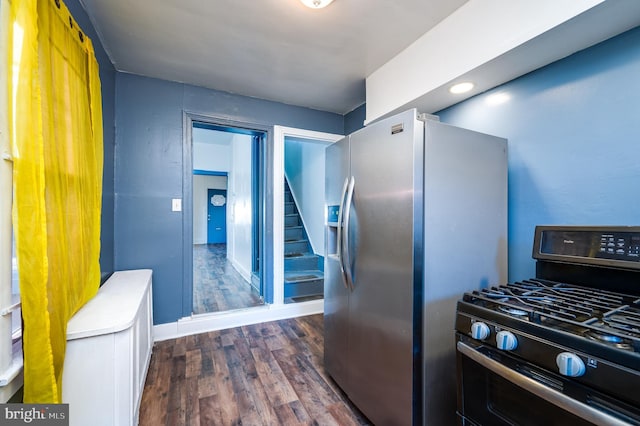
point(386, 165)
point(336, 294)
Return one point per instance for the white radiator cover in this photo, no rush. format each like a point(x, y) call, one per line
point(109, 342)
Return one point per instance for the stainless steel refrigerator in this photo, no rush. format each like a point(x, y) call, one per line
point(416, 216)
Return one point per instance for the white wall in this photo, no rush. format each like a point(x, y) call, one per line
point(240, 210)
point(201, 185)
point(304, 163)
point(211, 150)
point(211, 157)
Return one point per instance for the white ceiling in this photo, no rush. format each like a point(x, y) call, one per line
point(271, 49)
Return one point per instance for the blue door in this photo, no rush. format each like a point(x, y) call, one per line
point(217, 216)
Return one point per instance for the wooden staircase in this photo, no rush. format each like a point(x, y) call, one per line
point(303, 275)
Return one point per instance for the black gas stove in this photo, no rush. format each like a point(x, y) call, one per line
point(562, 348)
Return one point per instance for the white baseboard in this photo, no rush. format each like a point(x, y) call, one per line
point(203, 323)
point(241, 270)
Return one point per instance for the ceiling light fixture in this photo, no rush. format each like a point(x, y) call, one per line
point(461, 87)
point(316, 4)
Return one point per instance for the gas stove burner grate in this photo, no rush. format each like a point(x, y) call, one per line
point(551, 298)
point(610, 339)
point(625, 320)
point(514, 311)
point(613, 318)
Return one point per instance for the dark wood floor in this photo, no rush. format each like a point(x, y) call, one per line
point(217, 286)
point(264, 374)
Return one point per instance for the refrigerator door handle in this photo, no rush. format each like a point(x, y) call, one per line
point(339, 236)
point(345, 237)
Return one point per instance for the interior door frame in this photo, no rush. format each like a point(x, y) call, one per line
point(188, 119)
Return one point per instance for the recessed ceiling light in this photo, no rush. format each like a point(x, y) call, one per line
point(316, 4)
point(461, 87)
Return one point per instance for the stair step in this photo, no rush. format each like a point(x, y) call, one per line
point(303, 276)
point(286, 255)
point(300, 261)
point(297, 246)
point(303, 283)
point(291, 220)
point(290, 208)
point(293, 233)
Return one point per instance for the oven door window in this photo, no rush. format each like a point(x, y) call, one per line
point(488, 399)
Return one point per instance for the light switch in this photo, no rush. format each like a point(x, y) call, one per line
point(176, 204)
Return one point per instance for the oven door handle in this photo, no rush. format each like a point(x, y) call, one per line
point(548, 394)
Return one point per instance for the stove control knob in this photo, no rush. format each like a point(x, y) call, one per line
point(506, 341)
point(480, 330)
point(570, 364)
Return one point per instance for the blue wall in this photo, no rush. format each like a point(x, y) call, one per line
point(574, 142)
point(354, 120)
point(107, 80)
point(149, 116)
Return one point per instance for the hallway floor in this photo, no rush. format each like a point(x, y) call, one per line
point(263, 374)
point(217, 286)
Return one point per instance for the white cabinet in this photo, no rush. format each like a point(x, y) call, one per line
point(109, 343)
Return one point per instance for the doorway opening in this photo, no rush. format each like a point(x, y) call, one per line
point(299, 170)
point(227, 216)
point(304, 220)
point(268, 237)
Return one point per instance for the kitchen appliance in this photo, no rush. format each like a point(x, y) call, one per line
point(416, 216)
point(562, 348)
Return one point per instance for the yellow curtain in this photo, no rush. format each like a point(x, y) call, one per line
point(56, 127)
